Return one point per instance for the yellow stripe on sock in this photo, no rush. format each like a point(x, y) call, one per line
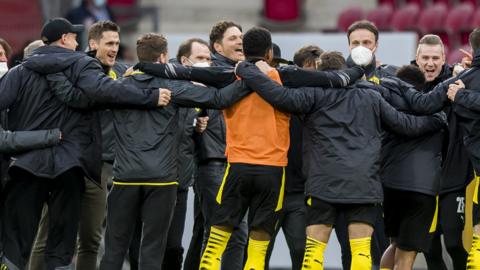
point(433, 227)
point(220, 191)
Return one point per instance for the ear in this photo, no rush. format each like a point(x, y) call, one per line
point(92, 44)
point(63, 39)
point(269, 55)
point(375, 48)
point(218, 47)
point(163, 58)
point(184, 61)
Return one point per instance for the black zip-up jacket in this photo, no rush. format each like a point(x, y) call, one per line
point(147, 141)
point(457, 169)
point(411, 164)
point(464, 107)
point(342, 134)
point(106, 118)
point(33, 106)
point(211, 143)
point(186, 146)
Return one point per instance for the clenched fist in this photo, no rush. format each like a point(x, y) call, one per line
point(164, 97)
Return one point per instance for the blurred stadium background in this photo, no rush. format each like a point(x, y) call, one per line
point(294, 22)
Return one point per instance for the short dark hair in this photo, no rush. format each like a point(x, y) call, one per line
point(331, 61)
point(412, 75)
point(6, 47)
point(216, 34)
point(363, 24)
point(96, 30)
point(474, 39)
point(257, 41)
point(430, 39)
point(185, 49)
point(307, 55)
point(150, 46)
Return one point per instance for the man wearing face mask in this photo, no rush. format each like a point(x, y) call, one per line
point(192, 52)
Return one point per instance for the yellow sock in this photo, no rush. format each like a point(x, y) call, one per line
point(313, 258)
point(256, 252)
point(473, 261)
point(361, 259)
point(217, 242)
point(385, 269)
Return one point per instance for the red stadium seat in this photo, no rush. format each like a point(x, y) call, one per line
point(381, 16)
point(473, 2)
point(458, 23)
point(419, 3)
point(282, 10)
point(392, 3)
point(349, 16)
point(432, 19)
point(476, 19)
point(447, 3)
point(405, 18)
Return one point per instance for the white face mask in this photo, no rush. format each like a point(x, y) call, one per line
point(3, 68)
point(201, 64)
point(361, 56)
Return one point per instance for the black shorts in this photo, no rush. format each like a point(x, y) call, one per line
point(410, 218)
point(322, 212)
point(256, 188)
point(476, 198)
point(451, 212)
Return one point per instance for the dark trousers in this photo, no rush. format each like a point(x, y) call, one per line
point(174, 251)
point(155, 206)
point(25, 197)
point(293, 224)
point(379, 240)
point(194, 253)
point(451, 221)
point(209, 178)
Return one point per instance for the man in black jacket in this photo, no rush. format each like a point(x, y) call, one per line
point(55, 175)
point(195, 52)
point(457, 170)
point(465, 105)
point(348, 180)
point(410, 174)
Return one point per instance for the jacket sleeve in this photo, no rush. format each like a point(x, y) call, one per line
point(427, 103)
point(297, 77)
point(104, 90)
point(468, 99)
point(9, 86)
point(410, 125)
point(66, 92)
point(218, 77)
point(11, 142)
point(188, 94)
point(285, 99)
